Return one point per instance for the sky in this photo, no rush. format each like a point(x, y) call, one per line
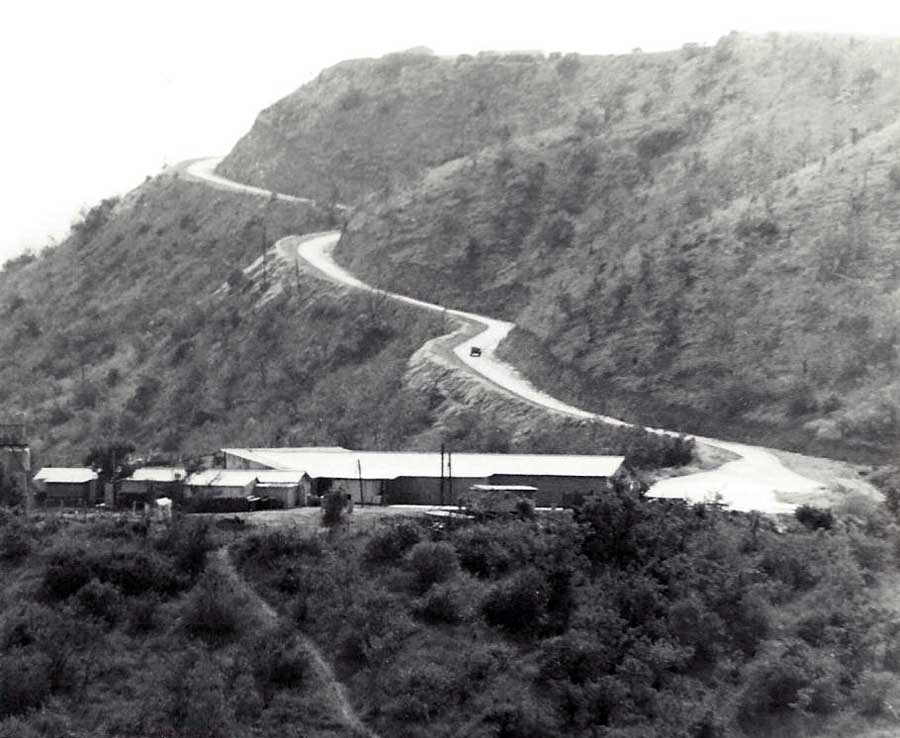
point(96, 95)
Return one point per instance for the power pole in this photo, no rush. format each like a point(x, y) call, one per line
point(442, 474)
point(362, 499)
point(450, 474)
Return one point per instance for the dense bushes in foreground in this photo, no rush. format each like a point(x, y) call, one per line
point(114, 629)
point(630, 618)
point(627, 618)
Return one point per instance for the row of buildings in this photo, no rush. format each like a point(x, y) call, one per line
point(291, 477)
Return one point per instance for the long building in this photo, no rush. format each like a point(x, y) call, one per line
point(383, 477)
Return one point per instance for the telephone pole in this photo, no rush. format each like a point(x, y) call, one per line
point(442, 474)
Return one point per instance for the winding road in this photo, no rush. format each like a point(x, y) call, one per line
point(756, 480)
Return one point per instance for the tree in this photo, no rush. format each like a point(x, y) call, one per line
point(110, 461)
point(334, 508)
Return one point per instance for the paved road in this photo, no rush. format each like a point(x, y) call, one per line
point(757, 480)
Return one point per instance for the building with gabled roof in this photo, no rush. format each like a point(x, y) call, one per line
point(214, 487)
point(429, 477)
point(65, 485)
point(149, 482)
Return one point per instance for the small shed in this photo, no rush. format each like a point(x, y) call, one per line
point(149, 482)
point(64, 485)
point(286, 488)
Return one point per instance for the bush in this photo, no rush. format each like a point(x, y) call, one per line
point(481, 553)
point(269, 548)
point(14, 727)
point(877, 693)
point(814, 518)
point(99, 600)
point(391, 542)
point(432, 563)
point(141, 614)
point(188, 541)
point(519, 604)
point(795, 679)
point(213, 611)
point(894, 177)
point(449, 603)
point(334, 508)
point(278, 661)
point(132, 569)
point(659, 142)
point(802, 401)
point(24, 681)
point(15, 544)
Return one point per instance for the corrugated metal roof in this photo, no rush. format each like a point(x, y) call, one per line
point(391, 465)
point(279, 477)
point(158, 474)
point(221, 478)
point(504, 488)
point(65, 475)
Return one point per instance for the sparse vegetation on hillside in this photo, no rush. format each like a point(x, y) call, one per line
point(707, 244)
point(124, 339)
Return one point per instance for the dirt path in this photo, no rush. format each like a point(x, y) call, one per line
point(324, 672)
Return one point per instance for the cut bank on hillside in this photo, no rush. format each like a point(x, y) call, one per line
point(704, 239)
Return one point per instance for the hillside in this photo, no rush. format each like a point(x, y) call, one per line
point(158, 322)
point(705, 239)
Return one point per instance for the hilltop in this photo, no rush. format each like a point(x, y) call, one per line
point(704, 238)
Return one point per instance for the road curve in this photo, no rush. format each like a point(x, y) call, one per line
point(757, 480)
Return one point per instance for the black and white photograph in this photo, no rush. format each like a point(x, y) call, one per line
point(450, 369)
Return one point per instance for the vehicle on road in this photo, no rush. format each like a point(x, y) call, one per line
point(474, 351)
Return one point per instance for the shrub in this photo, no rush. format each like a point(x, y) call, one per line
point(481, 554)
point(24, 681)
point(449, 603)
point(421, 693)
point(213, 611)
point(66, 573)
point(567, 67)
point(392, 541)
point(659, 142)
point(894, 177)
point(519, 604)
point(188, 541)
point(195, 703)
point(432, 563)
point(278, 661)
point(788, 561)
point(794, 679)
point(814, 518)
point(99, 600)
point(802, 401)
point(351, 99)
point(877, 693)
point(141, 614)
point(334, 508)
point(15, 727)
point(15, 544)
point(132, 570)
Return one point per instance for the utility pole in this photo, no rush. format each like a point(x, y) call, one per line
point(442, 474)
point(450, 474)
point(362, 499)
